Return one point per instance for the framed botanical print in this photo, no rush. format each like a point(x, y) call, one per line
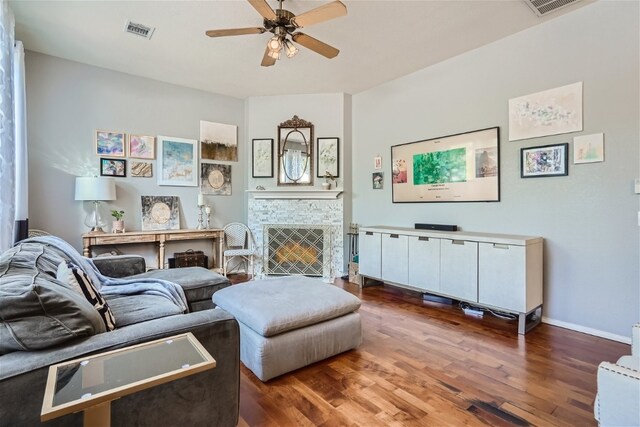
point(177, 161)
point(262, 158)
point(109, 143)
point(328, 157)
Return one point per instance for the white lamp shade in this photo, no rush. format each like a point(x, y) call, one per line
point(95, 188)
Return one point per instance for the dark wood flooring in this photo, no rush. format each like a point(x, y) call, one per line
point(428, 364)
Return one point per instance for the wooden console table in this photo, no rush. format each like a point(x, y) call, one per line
point(160, 237)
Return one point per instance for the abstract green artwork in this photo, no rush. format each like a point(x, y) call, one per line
point(440, 167)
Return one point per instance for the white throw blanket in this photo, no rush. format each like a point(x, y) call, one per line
point(116, 286)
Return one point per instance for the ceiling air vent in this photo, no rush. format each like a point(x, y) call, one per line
point(544, 7)
point(139, 29)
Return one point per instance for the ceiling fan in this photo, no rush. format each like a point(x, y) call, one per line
point(284, 24)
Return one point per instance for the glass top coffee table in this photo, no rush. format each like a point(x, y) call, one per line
point(90, 384)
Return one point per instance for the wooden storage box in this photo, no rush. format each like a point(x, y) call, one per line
point(189, 258)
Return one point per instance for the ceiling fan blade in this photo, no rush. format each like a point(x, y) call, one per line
point(263, 9)
point(322, 13)
point(267, 61)
point(315, 45)
point(235, 32)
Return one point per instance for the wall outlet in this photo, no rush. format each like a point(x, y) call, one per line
point(637, 186)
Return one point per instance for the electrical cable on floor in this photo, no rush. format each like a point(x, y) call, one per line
point(499, 314)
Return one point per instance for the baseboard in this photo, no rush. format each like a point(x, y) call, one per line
point(585, 330)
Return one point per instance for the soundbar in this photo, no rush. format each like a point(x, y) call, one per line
point(439, 227)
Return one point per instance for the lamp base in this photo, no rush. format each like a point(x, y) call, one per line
point(96, 230)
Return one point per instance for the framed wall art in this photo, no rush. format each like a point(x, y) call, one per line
point(215, 179)
point(218, 141)
point(177, 161)
point(546, 160)
point(377, 180)
point(142, 147)
point(110, 143)
point(550, 112)
point(328, 157)
point(160, 213)
point(588, 148)
point(141, 169)
point(262, 158)
point(377, 162)
point(113, 167)
point(457, 168)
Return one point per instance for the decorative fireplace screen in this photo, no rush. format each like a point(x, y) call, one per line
point(297, 250)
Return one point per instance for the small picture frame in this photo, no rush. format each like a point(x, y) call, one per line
point(328, 157)
point(377, 180)
point(544, 161)
point(377, 162)
point(588, 148)
point(141, 169)
point(113, 167)
point(262, 158)
point(142, 147)
point(109, 143)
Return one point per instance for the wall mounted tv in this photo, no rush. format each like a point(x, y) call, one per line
point(457, 168)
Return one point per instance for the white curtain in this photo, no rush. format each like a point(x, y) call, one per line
point(13, 154)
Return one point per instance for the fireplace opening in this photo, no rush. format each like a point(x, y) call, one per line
point(297, 250)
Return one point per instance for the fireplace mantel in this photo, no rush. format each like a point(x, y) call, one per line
point(295, 194)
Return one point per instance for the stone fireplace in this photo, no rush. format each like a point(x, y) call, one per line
point(278, 209)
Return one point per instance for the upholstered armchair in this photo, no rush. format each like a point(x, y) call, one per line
point(618, 399)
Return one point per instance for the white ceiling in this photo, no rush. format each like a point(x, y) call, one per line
point(378, 40)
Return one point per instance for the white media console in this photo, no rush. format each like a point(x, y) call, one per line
point(497, 271)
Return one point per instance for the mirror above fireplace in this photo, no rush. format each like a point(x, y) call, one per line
point(295, 152)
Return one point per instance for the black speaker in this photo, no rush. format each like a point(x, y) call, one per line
point(439, 227)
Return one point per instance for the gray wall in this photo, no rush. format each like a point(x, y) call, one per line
point(589, 218)
point(265, 113)
point(67, 101)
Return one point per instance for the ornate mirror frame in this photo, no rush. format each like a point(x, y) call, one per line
point(295, 127)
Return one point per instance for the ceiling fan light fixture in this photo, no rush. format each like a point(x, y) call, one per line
point(274, 54)
point(290, 49)
point(275, 44)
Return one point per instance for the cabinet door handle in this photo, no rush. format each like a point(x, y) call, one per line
point(424, 239)
point(369, 233)
point(499, 246)
point(393, 236)
point(457, 242)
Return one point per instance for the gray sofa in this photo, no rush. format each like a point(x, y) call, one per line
point(27, 274)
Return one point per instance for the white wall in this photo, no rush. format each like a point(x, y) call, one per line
point(589, 218)
point(67, 101)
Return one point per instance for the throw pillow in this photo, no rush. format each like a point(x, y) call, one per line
point(76, 278)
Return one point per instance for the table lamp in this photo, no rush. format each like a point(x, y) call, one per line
point(95, 189)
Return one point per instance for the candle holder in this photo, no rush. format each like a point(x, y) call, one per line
point(207, 210)
point(200, 224)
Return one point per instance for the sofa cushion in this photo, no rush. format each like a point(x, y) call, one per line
point(81, 283)
point(36, 310)
point(273, 306)
point(198, 283)
point(131, 309)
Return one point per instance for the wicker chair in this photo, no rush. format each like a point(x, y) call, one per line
point(238, 243)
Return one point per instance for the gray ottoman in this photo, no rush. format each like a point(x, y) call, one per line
point(290, 322)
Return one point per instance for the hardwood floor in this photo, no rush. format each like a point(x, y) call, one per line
point(428, 364)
